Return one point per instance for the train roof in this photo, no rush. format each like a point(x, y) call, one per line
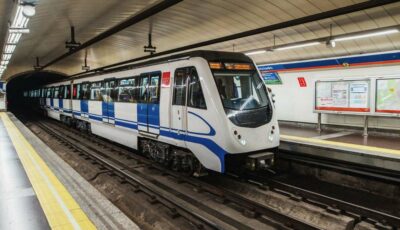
point(206, 54)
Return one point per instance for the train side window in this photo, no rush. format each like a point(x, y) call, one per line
point(127, 90)
point(179, 96)
point(67, 94)
point(61, 90)
point(108, 91)
point(76, 91)
point(95, 91)
point(144, 81)
point(48, 93)
point(56, 91)
point(154, 88)
point(196, 97)
point(85, 91)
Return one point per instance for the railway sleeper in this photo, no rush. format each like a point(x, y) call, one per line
point(152, 199)
point(173, 213)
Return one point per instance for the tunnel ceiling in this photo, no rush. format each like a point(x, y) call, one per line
point(188, 22)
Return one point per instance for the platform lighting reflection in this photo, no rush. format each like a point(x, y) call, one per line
point(18, 26)
point(297, 46)
point(256, 52)
point(373, 34)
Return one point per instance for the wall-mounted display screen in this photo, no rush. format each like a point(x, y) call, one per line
point(388, 95)
point(351, 96)
point(271, 78)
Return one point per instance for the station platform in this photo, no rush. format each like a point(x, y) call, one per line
point(38, 190)
point(376, 150)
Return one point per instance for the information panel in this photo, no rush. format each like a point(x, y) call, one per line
point(271, 78)
point(351, 96)
point(388, 95)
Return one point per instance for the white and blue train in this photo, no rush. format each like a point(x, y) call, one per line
point(202, 109)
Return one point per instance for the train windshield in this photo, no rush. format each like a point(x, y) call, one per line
point(241, 90)
point(243, 93)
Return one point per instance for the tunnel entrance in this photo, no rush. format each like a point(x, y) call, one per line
point(26, 81)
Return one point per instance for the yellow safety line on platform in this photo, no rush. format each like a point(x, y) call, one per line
point(341, 144)
point(60, 208)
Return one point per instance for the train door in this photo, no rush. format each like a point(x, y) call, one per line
point(179, 108)
point(108, 112)
point(56, 98)
point(84, 99)
point(148, 108)
point(61, 98)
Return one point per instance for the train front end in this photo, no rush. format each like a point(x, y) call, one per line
point(251, 132)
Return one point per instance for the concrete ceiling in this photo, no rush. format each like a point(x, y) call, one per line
point(189, 22)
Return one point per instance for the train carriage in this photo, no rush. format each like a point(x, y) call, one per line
point(202, 109)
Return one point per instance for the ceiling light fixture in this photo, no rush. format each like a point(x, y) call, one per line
point(367, 35)
point(297, 46)
point(255, 52)
point(9, 49)
point(18, 30)
point(330, 43)
point(18, 26)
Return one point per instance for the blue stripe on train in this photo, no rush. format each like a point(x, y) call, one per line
point(84, 107)
point(209, 144)
point(60, 104)
point(141, 114)
point(107, 110)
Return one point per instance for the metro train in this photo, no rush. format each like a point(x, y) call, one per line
point(193, 112)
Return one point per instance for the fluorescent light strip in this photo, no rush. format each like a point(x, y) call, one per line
point(6, 57)
point(24, 22)
point(19, 18)
point(373, 34)
point(298, 46)
point(9, 49)
point(18, 30)
point(13, 38)
point(255, 52)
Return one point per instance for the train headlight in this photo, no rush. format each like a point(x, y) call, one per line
point(243, 142)
point(271, 137)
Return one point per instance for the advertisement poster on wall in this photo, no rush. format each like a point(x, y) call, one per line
point(350, 96)
point(388, 96)
point(324, 94)
point(340, 94)
point(359, 94)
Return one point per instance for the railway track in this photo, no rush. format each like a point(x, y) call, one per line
point(360, 213)
point(102, 152)
point(98, 150)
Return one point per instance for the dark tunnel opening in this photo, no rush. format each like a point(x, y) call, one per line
point(27, 81)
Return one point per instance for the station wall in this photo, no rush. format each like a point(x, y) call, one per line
point(295, 103)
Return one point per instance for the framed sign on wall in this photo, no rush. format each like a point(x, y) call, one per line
point(343, 96)
point(388, 95)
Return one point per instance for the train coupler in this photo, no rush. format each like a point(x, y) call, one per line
point(260, 161)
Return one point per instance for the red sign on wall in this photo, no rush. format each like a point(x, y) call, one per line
point(166, 79)
point(302, 81)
